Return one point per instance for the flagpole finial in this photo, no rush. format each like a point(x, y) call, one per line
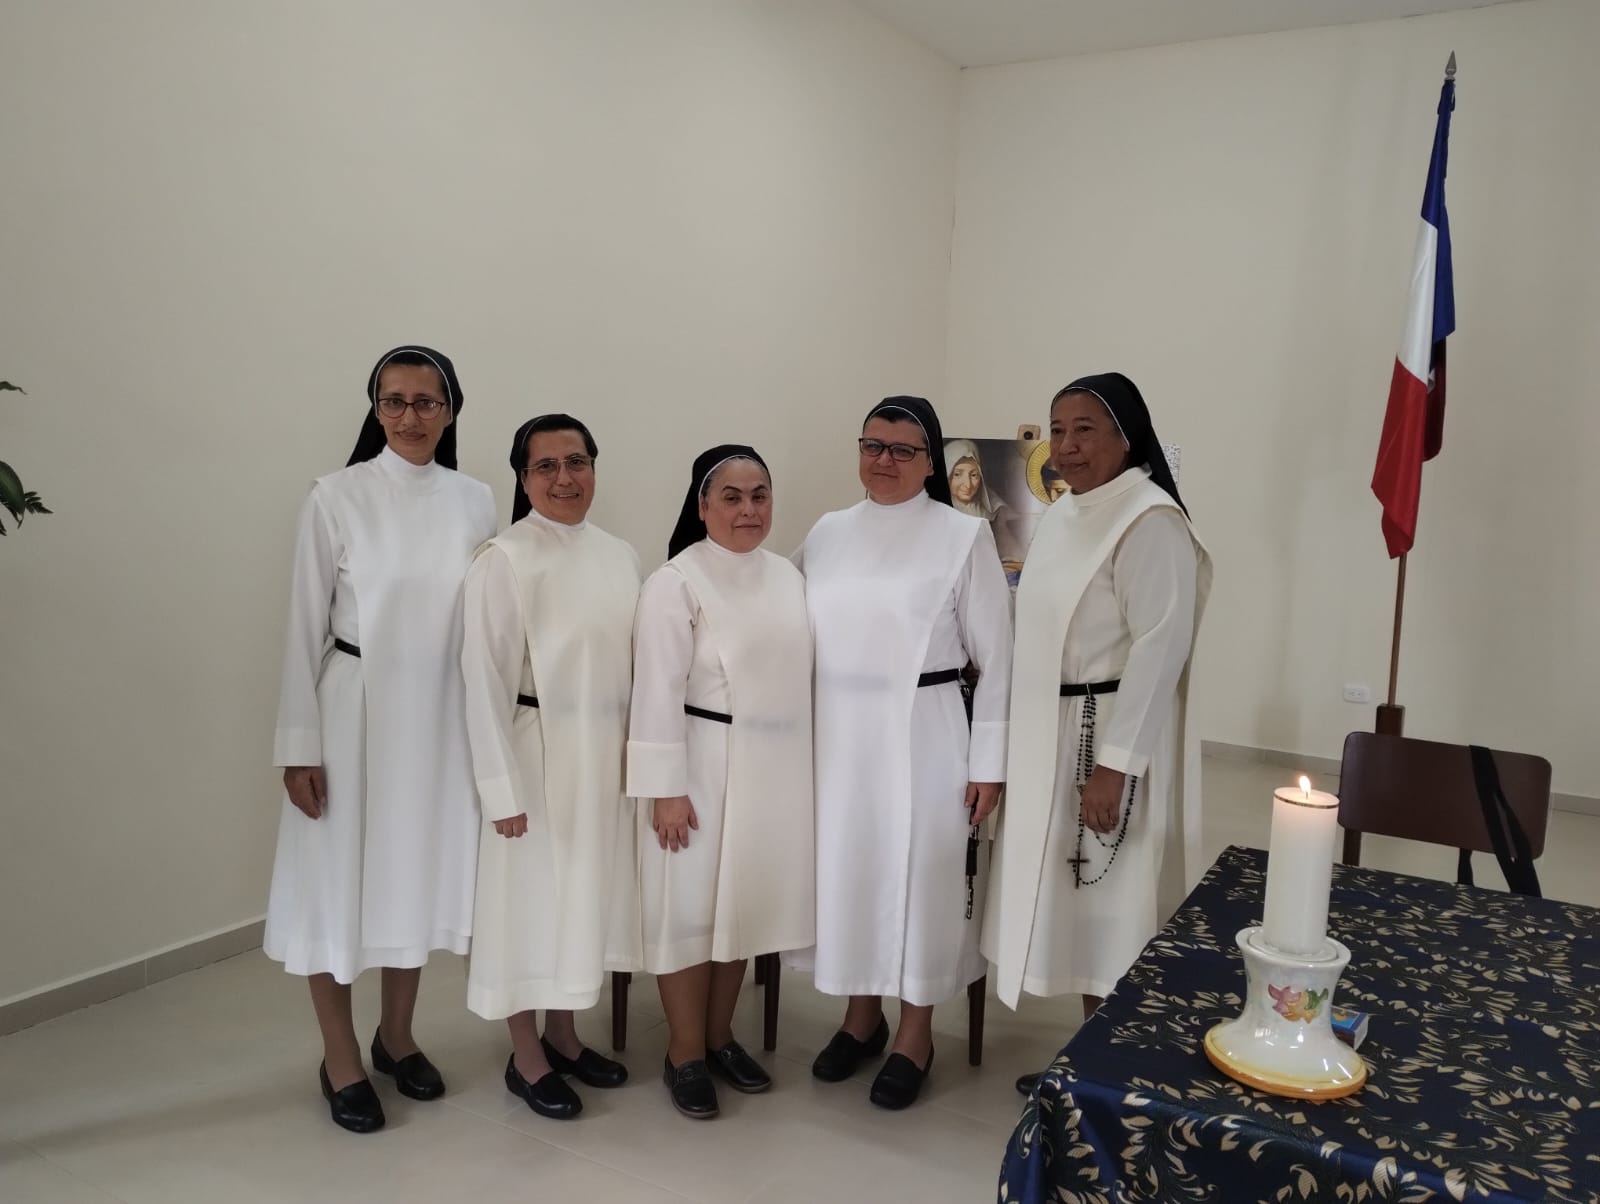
point(1450, 67)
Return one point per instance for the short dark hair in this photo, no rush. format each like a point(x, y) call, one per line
point(548, 423)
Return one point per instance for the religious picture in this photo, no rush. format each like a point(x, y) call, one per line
point(1008, 483)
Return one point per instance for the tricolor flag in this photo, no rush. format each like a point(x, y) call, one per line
point(1413, 427)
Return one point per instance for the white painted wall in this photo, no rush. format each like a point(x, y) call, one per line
point(685, 223)
point(1232, 224)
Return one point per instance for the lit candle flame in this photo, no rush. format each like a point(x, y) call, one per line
point(1305, 786)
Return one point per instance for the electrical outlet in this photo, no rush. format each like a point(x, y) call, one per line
point(1356, 692)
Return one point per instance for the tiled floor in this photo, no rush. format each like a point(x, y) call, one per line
point(203, 1089)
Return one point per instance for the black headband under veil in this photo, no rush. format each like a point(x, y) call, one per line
point(544, 423)
point(691, 528)
point(371, 441)
point(1122, 398)
point(920, 411)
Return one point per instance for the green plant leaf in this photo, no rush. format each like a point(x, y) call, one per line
point(7, 387)
point(12, 496)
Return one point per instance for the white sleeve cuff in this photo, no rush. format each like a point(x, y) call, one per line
point(986, 757)
point(296, 746)
point(498, 800)
point(657, 770)
point(1123, 761)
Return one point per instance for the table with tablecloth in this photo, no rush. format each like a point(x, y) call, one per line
point(1484, 1049)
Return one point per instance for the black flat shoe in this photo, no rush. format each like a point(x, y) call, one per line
point(355, 1107)
point(550, 1096)
point(899, 1082)
point(1027, 1082)
point(844, 1053)
point(589, 1068)
point(693, 1092)
point(742, 1071)
point(414, 1075)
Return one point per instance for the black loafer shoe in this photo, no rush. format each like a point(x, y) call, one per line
point(742, 1071)
point(589, 1068)
point(414, 1075)
point(693, 1092)
point(1027, 1082)
point(355, 1107)
point(844, 1053)
point(550, 1096)
point(899, 1082)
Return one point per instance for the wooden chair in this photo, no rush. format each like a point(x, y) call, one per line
point(620, 981)
point(769, 968)
point(767, 974)
point(977, 996)
point(1423, 790)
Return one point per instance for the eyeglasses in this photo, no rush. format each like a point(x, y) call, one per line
point(903, 453)
point(394, 407)
point(549, 468)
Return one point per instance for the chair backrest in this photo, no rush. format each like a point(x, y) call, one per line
point(1423, 790)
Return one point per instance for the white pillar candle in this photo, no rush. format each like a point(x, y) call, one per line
point(1305, 823)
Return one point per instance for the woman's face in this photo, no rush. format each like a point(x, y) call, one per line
point(966, 478)
point(737, 507)
point(890, 481)
point(1086, 448)
point(559, 478)
point(413, 390)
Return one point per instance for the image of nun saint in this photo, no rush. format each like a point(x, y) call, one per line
point(970, 493)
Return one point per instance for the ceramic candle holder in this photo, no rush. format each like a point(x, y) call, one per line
point(1283, 1040)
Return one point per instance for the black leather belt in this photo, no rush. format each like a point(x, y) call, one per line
point(347, 648)
point(1091, 689)
point(939, 677)
point(527, 700)
point(702, 713)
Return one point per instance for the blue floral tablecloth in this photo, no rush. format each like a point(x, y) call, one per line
point(1484, 1052)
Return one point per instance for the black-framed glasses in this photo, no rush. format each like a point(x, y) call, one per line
point(550, 467)
point(903, 453)
point(394, 407)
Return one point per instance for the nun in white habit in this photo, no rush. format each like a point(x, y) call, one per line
point(903, 592)
point(378, 838)
point(719, 758)
point(1098, 840)
point(548, 662)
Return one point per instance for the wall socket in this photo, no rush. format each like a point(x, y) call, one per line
point(1356, 692)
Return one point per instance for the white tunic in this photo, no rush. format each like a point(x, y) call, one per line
point(550, 616)
point(1133, 619)
point(386, 875)
point(895, 591)
point(724, 632)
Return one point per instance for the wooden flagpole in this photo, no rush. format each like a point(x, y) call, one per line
point(1392, 716)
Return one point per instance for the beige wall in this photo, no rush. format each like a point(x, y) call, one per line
point(1232, 223)
point(685, 223)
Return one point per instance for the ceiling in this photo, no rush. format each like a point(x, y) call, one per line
point(981, 33)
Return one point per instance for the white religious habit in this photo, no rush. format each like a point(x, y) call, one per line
point(722, 714)
point(549, 667)
point(895, 592)
point(1114, 589)
point(385, 876)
